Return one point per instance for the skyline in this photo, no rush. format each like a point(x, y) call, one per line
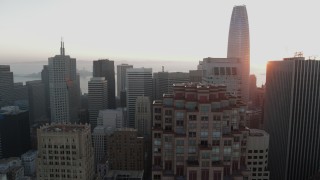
point(141, 31)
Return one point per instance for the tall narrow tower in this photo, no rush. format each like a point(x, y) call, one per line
point(63, 87)
point(239, 45)
point(105, 68)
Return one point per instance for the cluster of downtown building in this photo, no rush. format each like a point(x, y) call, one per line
point(210, 123)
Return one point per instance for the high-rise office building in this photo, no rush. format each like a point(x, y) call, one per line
point(163, 81)
point(105, 68)
point(20, 96)
point(14, 132)
point(239, 45)
point(139, 83)
point(123, 98)
point(127, 150)
point(199, 133)
point(99, 139)
point(6, 85)
point(97, 98)
point(37, 101)
point(28, 160)
point(64, 87)
point(11, 168)
point(143, 116)
point(112, 118)
point(45, 81)
point(292, 111)
point(65, 152)
point(225, 71)
point(195, 75)
point(252, 88)
point(121, 77)
point(257, 154)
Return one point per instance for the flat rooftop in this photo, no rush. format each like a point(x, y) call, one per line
point(65, 127)
point(125, 174)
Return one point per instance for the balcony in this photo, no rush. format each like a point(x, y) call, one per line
point(217, 163)
point(156, 167)
point(168, 173)
point(204, 147)
point(193, 163)
point(177, 177)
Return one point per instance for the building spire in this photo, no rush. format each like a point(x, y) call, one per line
point(62, 47)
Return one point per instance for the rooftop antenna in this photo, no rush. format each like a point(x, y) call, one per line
point(298, 54)
point(62, 47)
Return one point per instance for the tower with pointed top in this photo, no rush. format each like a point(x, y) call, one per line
point(64, 89)
point(239, 45)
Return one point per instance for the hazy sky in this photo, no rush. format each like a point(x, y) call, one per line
point(154, 30)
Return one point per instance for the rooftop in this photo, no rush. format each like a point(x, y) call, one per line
point(29, 153)
point(257, 132)
point(124, 174)
point(10, 110)
point(65, 127)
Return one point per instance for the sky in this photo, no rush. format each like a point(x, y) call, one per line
point(144, 30)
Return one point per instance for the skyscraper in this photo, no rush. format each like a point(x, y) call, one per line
point(14, 132)
point(139, 83)
point(65, 152)
point(163, 81)
point(292, 111)
point(45, 81)
point(239, 45)
point(252, 88)
point(126, 151)
point(105, 68)
point(97, 98)
point(20, 96)
point(143, 116)
point(37, 106)
point(225, 71)
point(6, 85)
point(121, 77)
point(64, 87)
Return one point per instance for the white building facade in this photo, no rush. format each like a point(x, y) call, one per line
point(63, 86)
point(97, 98)
point(139, 83)
point(121, 77)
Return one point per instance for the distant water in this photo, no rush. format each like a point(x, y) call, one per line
point(23, 68)
point(83, 81)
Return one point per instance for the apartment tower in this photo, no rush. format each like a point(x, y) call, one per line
point(199, 133)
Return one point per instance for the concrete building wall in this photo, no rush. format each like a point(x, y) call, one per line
point(65, 151)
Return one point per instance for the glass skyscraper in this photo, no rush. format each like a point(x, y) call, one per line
point(239, 45)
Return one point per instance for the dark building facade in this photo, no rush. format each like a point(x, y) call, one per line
point(127, 150)
point(14, 132)
point(292, 111)
point(37, 105)
point(45, 81)
point(105, 68)
point(6, 85)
